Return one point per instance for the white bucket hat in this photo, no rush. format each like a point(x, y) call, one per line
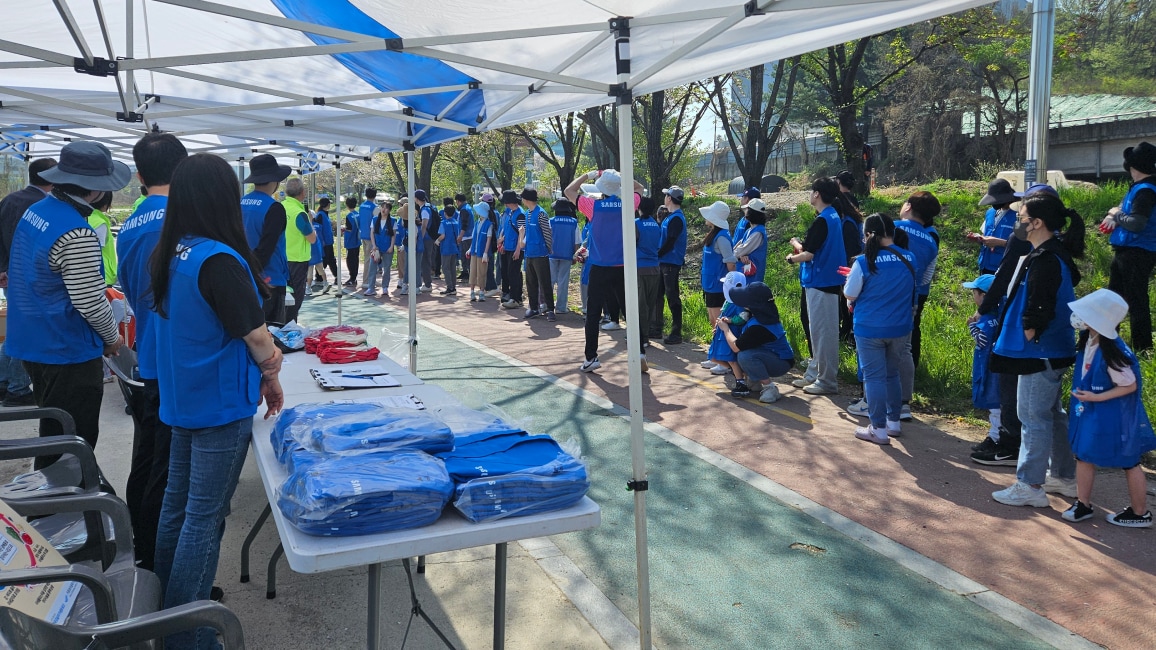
point(716, 214)
point(609, 183)
point(590, 189)
point(733, 280)
point(1102, 310)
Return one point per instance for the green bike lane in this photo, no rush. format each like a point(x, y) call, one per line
point(731, 566)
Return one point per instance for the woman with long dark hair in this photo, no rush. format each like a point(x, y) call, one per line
point(881, 285)
point(1036, 342)
point(718, 259)
point(216, 363)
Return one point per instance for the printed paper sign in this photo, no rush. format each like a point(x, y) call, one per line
point(22, 547)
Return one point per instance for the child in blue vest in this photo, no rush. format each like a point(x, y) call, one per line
point(720, 351)
point(449, 231)
point(984, 383)
point(1108, 426)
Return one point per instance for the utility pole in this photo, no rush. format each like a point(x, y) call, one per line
point(1040, 90)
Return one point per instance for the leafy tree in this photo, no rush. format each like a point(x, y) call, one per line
point(602, 123)
point(569, 132)
point(667, 121)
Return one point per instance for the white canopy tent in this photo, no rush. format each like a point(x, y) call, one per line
point(397, 75)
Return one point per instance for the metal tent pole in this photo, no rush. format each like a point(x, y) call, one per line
point(411, 258)
point(1040, 90)
point(638, 483)
point(338, 239)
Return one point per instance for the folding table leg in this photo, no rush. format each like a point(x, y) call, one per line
point(271, 583)
point(257, 525)
point(500, 596)
point(421, 564)
point(373, 639)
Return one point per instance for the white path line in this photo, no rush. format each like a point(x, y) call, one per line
point(592, 602)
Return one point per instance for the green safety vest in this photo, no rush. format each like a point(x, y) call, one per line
point(296, 246)
point(107, 247)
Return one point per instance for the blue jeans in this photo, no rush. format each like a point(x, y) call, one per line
point(13, 374)
point(880, 360)
point(384, 267)
point(204, 465)
point(1044, 428)
point(560, 280)
point(761, 364)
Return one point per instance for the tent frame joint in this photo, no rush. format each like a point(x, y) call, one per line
point(751, 8)
point(394, 45)
point(408, 145)
point(98, 68)
point(130, 116)
point(318, 101)
point(621, 93)
point(637, 486)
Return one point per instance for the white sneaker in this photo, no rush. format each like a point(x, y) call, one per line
point(493, 292)
point(611, 326)
point(1062, 486)
point(770, 394)
point(731, 381)
point(1022, 494)
point(591, 365)
point(871, 434)
point(708, 364)
point(820, 389)
point(645, 366)
point(905, 413)
point(894, 429)
point(720, 369)
point(858, 407)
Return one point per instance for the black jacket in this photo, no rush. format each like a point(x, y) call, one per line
point(11, 209)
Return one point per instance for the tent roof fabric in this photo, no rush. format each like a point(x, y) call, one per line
point(383, 73)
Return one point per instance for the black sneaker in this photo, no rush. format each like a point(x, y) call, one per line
point(673, 339)
point(11, 400)
point(741, 389)
point(1129, 519)
point(1000, 456)
point(1078, 512)
point(987, 445)
point(216, 594)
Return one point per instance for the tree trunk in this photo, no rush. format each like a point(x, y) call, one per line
point(652, 130)
point(603, 136)
point(853, 145)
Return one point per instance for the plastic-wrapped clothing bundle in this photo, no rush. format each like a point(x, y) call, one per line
point(310, 416)
point(385, 429)
point(512, 474)
point(465, 421)
point(366, 494)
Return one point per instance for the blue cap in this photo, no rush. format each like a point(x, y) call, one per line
point(751, 193)
point(1038, 188)
point(983, 282)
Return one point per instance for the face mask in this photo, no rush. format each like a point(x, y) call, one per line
point(1021, 229)
point(1077, 322)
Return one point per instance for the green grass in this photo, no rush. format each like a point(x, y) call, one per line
point(943, 379)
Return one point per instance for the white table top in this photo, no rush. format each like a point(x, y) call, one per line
point(315, 554)
point(296, 381)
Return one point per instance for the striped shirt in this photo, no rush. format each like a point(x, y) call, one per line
point(76, 257)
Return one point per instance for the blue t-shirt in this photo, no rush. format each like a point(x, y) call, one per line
point(449, 230)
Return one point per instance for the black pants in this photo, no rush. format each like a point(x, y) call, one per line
point(491, 281)
point(275, 306)
point(916, 336)
point(606, 283)
point(649, 293)
point(1009, 419)
point(76, 389)
point(538, 282)
point(149, 473)
point(512, 276)
point(352, 263)
point(805, 319)
point(668, 289)
point(329, 260)
point(298, 276)
point(1128, 276)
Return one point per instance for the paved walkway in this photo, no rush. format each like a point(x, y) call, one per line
point(743, 551)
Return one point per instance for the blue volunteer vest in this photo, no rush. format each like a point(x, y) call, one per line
point(451, 229)
point(254, 207)
point(206, 376)
point(400, 232)
point(509, 228)
point(315, 254)
point(535, 238)
point(381, 237)
point(883, 309)
point(984, 383)
point(923, 245)
point(713, 266)
point(584, 277)
point(677, 255)
point(780, 346)
point(1146, 238)
point(998, 224)
point(43, 326)
point(324, 228)
point(606, 232)
point(1115, 432)
point(1057, 341)
point(365, 219)
point(563, 228)
point(823, 270)
point(352, 231)
point(480, 235)
point(759, 255)
point(741, 228)
point(649, 239)
point(134, 249)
